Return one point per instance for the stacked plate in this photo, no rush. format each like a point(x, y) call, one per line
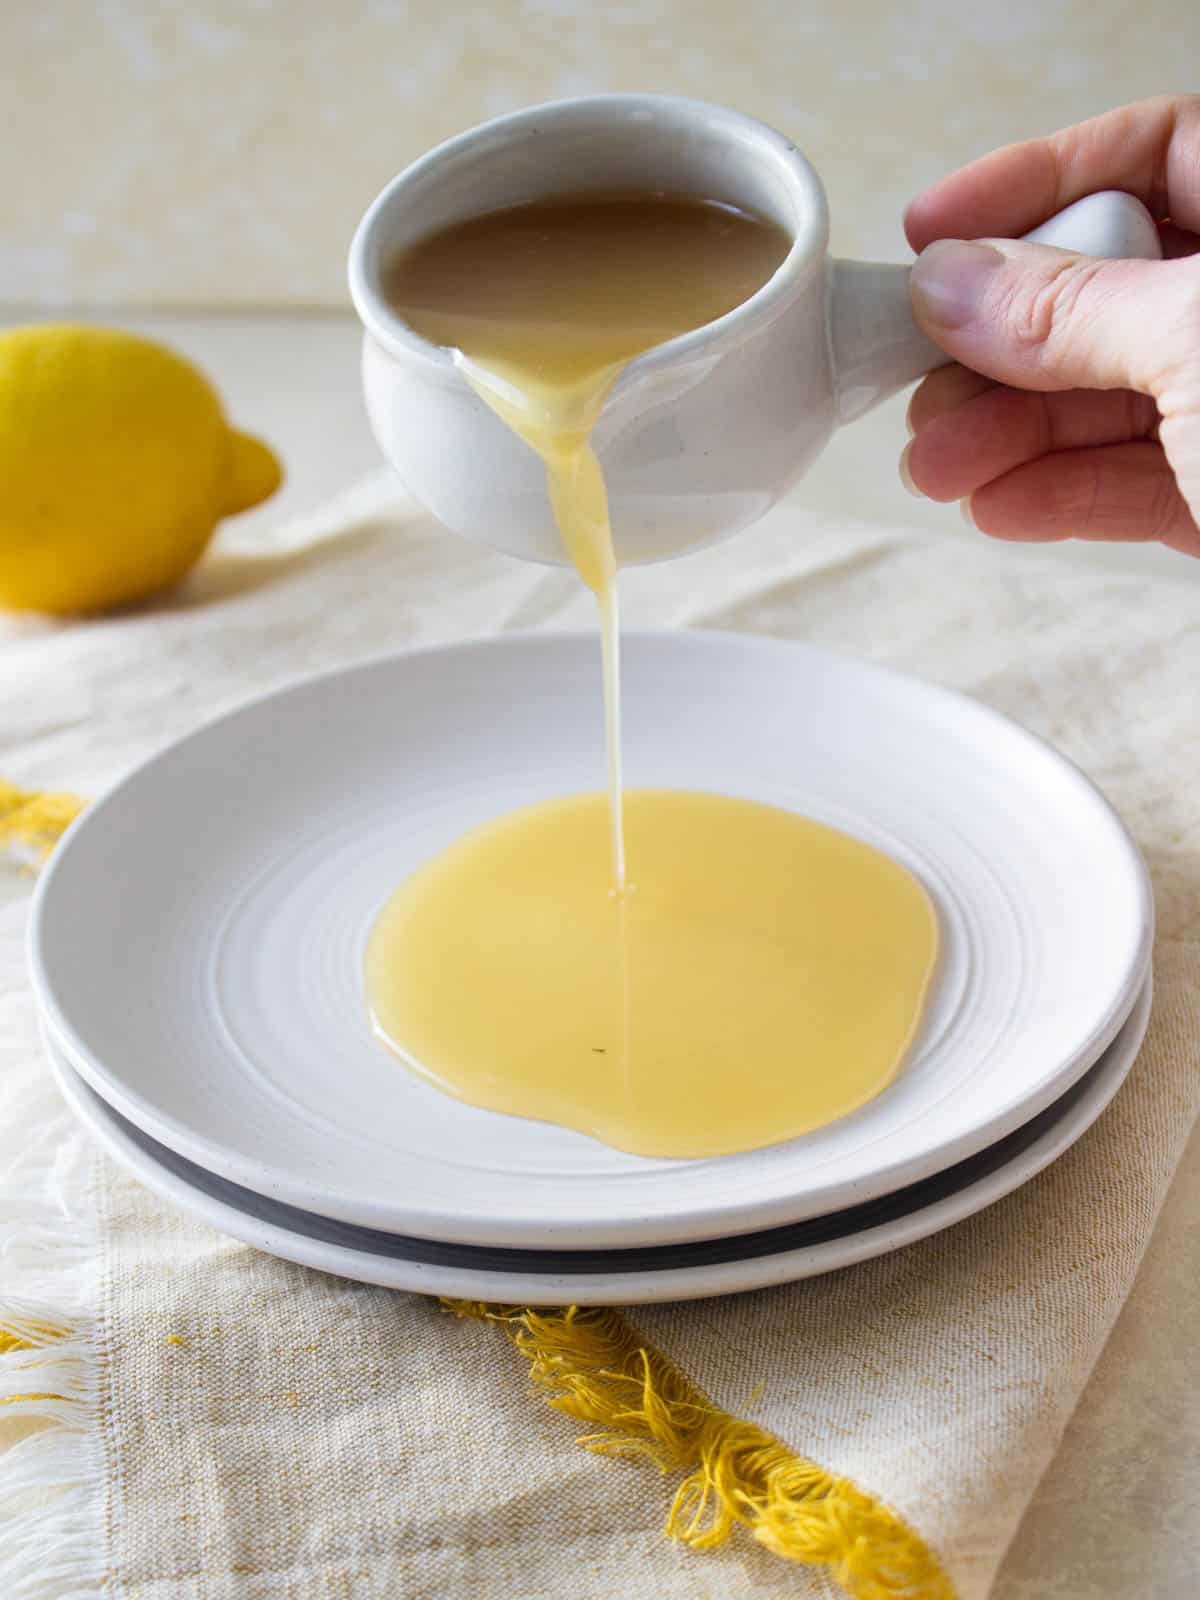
point(197, 948)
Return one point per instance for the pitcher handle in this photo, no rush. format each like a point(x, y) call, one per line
point(877, 346)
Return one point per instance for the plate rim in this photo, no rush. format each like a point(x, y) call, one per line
point(394, 1213)
point(643, 1286)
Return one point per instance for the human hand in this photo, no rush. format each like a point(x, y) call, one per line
point(1075, 409)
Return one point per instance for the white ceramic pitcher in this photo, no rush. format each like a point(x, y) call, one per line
point(703, 434)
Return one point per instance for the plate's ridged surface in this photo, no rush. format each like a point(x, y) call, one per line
point(197, 941)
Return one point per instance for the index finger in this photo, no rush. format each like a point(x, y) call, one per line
point(1150, 149)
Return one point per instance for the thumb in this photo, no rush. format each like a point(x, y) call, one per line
point(1039, 318)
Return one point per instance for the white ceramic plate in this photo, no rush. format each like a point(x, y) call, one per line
point(197, 940)
point(620, 1277)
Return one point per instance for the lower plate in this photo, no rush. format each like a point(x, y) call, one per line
point(604, 1277)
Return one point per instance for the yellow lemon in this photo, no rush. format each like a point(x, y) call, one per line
point(116, 464)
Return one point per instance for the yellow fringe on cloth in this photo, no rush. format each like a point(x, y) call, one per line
point(591, 1365)
point(26, 1335)
point(32, 823)
point(9, 1340)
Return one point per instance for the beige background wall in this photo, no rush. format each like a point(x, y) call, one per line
point(219, 152)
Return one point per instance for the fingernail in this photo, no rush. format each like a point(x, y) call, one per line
point(949, 280)
point(906, 475)
point(964, 507)
point(908, 421)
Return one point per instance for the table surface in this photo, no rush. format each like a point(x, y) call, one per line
point(1135, 1438)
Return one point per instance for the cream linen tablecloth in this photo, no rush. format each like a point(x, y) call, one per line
point(231, 1426)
